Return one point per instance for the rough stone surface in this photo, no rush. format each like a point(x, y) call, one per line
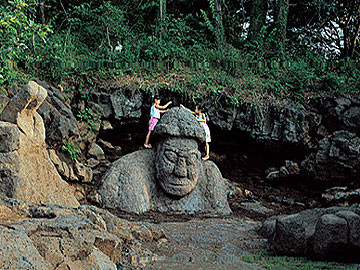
point(276, 122)
point(9, 137)
point(37, 178)
point(179, 122)
point(24, 103)
point(96, 151)
point(212, 243)
point(58, 118)
point(331, 233)
point(336, 161)
point(58, 237)
point(169, 178)
point(126, 103)
point(84, 174)
point(133, 188)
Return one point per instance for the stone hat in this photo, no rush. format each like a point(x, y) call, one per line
point(179, 122)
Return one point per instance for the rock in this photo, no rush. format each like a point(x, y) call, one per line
point(330, 236)
point(126, 103)
point(9, 164)
point(58, 118)
point(290, 235)
point(341, 113)
point(83, 173)
point(96, 151)
point(24, 105)
point(223, 116)
point(106, 125)
point(104, 101)
point(3, 102)
point(353, 222)
point(256, 207)
point(338, 195)
point(290, 168)
point(9, 137)
point(171, 177)
point(330, 233)
point(34, 176)
point(336, 160)
point(276, 122)
point(18, 252)
point(92, 163)
point(54, 236)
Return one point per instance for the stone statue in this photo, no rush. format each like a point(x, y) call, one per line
point(169, 178)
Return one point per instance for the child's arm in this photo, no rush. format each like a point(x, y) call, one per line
point(182, 106)
point(163, 111)
point(164, 106)
point(203, 118)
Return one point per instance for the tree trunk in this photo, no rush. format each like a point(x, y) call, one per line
point(280, 23)
point(219, 25)
point(257, 19)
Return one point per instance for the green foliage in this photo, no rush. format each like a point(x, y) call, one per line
point(267, 260)
point(80, 38)
point(70, 149)
point(21, 38)
point(85, 114)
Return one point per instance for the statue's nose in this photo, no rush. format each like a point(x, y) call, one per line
point(180, 168)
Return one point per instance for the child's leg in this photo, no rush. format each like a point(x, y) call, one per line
point(147, 138)
point(207, 151)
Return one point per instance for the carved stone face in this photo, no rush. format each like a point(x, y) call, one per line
point(178, 165)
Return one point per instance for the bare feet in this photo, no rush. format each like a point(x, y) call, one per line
point(206, 157)
point(147, 146)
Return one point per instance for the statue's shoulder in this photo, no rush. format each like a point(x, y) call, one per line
point(129, 182)
point(211, 170)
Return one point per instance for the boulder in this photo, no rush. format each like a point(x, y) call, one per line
point(27, 159)
point(291, 235)
point(277, 122)
point(341, 113)
point(330, 236)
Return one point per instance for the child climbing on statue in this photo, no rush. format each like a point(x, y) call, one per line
point(200, 117)
point(155, 111)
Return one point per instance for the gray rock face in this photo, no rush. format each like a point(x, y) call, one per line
point(58, 118)
point(126, 103)
point(169, 178)
point(9, 136)
point(331, 233)
point(338, 153)
point(341, 113)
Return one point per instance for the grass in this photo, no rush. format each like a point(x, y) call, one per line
point(269, 261)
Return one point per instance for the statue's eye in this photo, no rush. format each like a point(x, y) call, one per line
point(191, 160)
point(171, 155)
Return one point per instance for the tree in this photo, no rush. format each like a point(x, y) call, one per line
point(281, 11)
point(258, 13)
